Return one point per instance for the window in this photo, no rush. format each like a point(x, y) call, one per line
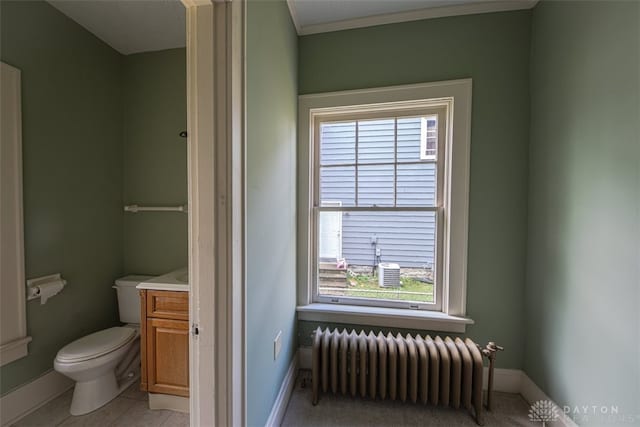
point(383, 220)
point(378, 195)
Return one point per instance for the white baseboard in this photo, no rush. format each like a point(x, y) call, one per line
point(532, 393)
point(31, 396)
point(282, 400)
point(504, 380)
point(170, 402)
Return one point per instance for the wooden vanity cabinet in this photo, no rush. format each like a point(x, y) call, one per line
point(164, 342)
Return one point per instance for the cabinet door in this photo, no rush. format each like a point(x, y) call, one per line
point(168, 356)
point(168, 305)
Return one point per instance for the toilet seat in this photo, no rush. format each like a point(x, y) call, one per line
point(96, 344)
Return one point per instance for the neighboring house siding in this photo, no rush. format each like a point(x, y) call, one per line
point(406, 238)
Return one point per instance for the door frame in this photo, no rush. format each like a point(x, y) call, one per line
point(216, 170)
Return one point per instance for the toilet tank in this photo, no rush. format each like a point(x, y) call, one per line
point(128, 298)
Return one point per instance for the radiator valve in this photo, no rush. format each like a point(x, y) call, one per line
point(490, 352)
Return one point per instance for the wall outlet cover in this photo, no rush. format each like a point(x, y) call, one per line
point(277, 345)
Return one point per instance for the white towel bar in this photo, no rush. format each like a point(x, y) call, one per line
point(136, 208)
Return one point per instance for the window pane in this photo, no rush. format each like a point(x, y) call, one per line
point(353, 244)
point(429, 137)
point(337, 143)
point(376, 185)
point(376, 141)
point(338, 183)
point(409, 139)
point(416, 185)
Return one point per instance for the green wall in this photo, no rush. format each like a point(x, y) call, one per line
point(99, 130)
point(583, 288)
point(492, 49)
point(72, 158)
point(155, 160)
point(271, 201)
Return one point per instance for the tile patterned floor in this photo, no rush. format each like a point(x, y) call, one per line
point(130, 409)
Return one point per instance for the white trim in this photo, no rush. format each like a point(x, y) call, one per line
point(170, 402)
point(294, 15)
point(196, 3)
point(440, 107)
point(216, 123)
point(383, 316)
point(532, 393)
point(200, 97)
point(458, 93)
point(13, 336)
point(282, 400)
point(22, 401)
point(235, 203)
point(14, 350)
point(415, 15)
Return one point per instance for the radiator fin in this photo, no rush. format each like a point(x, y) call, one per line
point(372, 349)
point(446, 371)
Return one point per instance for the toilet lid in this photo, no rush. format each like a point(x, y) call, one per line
point(96, 344)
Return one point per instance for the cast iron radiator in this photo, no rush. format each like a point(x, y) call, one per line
point(435, 370)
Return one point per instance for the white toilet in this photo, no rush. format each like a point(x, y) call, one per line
point(105, 363)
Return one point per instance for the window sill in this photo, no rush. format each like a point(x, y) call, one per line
point(386, 317)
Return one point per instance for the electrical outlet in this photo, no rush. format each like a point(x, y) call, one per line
point(378, 252)
point(277, 345)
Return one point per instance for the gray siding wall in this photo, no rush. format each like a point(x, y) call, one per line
point(406, 238)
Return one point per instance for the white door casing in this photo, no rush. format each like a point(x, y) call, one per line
point(13, 320)
point(216, 139)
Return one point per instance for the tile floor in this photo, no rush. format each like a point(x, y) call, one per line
point(336, 411)
point(130, 409)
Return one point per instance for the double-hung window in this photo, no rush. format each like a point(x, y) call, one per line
point(378, 202)
point(387, 194)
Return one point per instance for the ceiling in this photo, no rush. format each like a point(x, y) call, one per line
point(130, 26)
point(133, 26)
point(317, 16)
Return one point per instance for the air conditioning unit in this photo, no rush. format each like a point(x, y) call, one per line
point(388, 275)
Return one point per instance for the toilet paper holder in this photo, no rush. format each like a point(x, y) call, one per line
point(33, 285)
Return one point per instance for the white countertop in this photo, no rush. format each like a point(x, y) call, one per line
point(177, 280)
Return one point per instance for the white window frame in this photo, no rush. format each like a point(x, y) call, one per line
point(440, 108)
point(456, 95)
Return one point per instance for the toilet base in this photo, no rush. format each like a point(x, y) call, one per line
point(91, 395)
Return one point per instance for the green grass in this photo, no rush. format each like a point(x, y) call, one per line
point(365, 286)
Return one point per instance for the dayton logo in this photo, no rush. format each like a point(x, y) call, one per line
point(543, 411)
